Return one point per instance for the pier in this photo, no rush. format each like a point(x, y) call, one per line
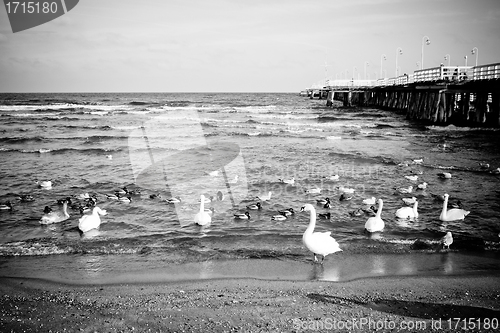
point(459, 95)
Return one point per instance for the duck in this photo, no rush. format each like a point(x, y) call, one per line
point(325, 216)
point(447, 240)
point(45, 184)
point(174, 200)
point(356, 212)
point(408, 212)
point(418, 161)
point(112, 196)
point(375, 223)
point(91, 218)
point(328, 205)
point(370, 201)
point(242, 216)
point(444, 175)
point(313, 191)
point(323, 201)
point(422, 186)
point(345, 197)
point(346, 189)
point(333, 178)
point(409, 201)
point(287, 212)
point(372, 211)
point(495, 171)
point(413, 178)
point(134, 192)
point(290, 181)
point(255, 206)
point(25, 198)
point(109, 157)
point(51, 216)
point(6, 206)
point(234, 180)
point(319, 243)
point(453, 214)
point(125, 199)
point(265, 197)
point(406, 190)
point(83, 196)
point(155, 196)
point(202, 217)
point(279, 217)
point(122, 191)
point(484, 166)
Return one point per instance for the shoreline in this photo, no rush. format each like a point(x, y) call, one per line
point(252, 305)
point(134, 268)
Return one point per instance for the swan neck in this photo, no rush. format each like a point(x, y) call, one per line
point(65, 209)
point(445, 206)
point(312, 222)
point(202, 204)
point(379, 210)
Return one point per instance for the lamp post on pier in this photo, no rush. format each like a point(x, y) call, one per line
point(418, 65)
point(425, 41)
point(382, 58)
point(465, 57)
point(476, 52)
point(398, 52)
point(447, 57)
point(366, 64)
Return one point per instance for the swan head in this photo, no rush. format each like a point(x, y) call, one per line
point(307, 208)
point(446, 196)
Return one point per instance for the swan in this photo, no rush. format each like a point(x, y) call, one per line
point(422, 186)
point(403, 190)
point(242, 216)
point(408, 212)
point(413, 178)
point(484, 166)
point(447, 240)
point(333, 178)
point(255, 206)
point(287, 212)
point(54, 217)
point(451, 214)
point(319, 243)
point(313, 191)
point(234, 180)
point(375, 223)
point(418, 161)
point(202, 217)
point(370, 201)
point(90, 219)
point(6, 206)
point(265, 197)
point(290, 181)
point(45, 184)
point(346, 189)
point(409, 201)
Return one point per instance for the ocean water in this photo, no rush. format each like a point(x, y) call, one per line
point(240, 145)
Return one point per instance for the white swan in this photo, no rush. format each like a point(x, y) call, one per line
point(333, 178)
point(319, 243)
point(290, 181)
point(447, 240)
point(444, 175)
point(403, 190)
point(408, 212)
point(265, 197)
point(313, 191)
point(375, 223)
point(409, 201)
point(422, 186)
point(412, 178)
point(91, 219)
point(202, 217)
point(347, 190)
point(451, 214)
point(45, 184)
point(54, 217)
point(370, 201)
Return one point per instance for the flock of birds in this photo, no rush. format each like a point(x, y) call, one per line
point(319, 243)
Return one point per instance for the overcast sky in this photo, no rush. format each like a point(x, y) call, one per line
point(240, 45)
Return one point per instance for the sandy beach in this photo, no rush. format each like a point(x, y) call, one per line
point(406, 304)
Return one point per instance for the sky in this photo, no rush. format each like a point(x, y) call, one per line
point(241, 45)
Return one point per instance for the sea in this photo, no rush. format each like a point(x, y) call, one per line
point(233, 148)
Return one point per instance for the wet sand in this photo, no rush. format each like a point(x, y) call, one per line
point(406, 304)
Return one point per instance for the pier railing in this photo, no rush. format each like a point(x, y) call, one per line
point(442, 73)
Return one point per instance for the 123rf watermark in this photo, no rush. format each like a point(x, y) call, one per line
point(369, 324)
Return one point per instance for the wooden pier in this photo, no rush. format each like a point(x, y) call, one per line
point(465, 96)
